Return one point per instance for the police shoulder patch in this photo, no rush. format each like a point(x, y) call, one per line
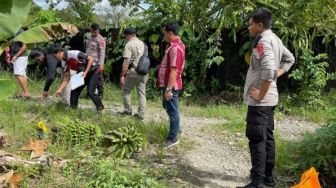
point(261, 50)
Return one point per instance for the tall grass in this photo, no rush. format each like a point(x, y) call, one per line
point(315, 150)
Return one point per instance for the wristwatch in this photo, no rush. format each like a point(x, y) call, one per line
point(169, 89)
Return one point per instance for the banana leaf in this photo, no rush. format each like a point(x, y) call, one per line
point(43, 33)
point(12, 14)
point(6, 88)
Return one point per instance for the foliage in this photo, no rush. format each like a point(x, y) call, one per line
point(114, 47)
point(12, 15)
point(43, 17)
point(6, 88)
point(299, 23)
point(43, 33)
point(84, 9)
point(318, 150)
point(76, 132)
point(123, 141)
point(311, 76)
point(316, 113)
point(111, 16)
point(19, 118)
point(106, 175)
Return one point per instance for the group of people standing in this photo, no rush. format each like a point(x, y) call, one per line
point(270, 59)
point(57, 59)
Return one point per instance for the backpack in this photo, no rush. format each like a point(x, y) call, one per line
point(144, 63)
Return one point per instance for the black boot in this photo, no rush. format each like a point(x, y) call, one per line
point(269, 181)
point(254, 184)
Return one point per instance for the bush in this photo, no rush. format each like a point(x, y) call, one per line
point(311, 76)
point(105, 174)
point(318, 150)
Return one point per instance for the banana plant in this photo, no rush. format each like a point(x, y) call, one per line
point(43, 33)
point(12, 14)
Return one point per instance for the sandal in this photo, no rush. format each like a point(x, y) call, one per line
point(26, 97)
point(17, 97)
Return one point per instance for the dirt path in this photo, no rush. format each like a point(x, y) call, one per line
point(216, 160)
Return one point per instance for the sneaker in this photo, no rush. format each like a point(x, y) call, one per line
point(253, 185)
point(269, 181)
point(169, 143)
point(125, 113)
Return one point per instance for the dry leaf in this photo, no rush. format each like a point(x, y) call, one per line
point(37, 147)
point(4, 180)
point(15, 180)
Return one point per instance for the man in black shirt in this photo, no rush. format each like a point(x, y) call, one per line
point(52, 64)
point(78, 61)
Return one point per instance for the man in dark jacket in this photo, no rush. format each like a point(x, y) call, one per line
point(50, 62)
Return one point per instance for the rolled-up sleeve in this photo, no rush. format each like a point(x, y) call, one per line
point(268, 68)
point(127, 51)
point(287, 59)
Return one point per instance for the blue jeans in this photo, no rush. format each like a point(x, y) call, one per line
point(172, 110)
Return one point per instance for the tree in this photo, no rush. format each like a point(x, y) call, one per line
point(108, 16)
point(78, 11)
point(84, 9)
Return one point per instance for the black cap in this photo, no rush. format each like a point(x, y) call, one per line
point(129, 31)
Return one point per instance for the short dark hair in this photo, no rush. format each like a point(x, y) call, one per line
point(54, 48)
point(262, 15)
point(94, 26)
point(173, 27)
point(36, 52)
point(129, 31)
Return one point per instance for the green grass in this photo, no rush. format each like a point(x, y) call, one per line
point(319, 113)
point(19, 119)
point(233, 115)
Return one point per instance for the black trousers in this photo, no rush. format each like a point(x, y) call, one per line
point(91, 83)
point(100, 84)
point(259, 131)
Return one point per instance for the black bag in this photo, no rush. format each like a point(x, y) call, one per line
point(144, 63)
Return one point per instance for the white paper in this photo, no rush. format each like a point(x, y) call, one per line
point(76, 80)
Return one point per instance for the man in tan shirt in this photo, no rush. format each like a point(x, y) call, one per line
point(95, 47)
point(134, 49)
point(270, 60)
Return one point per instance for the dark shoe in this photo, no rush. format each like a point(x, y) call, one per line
point(169, 143)
point(100, 108)
point(139, 117)
point(253, 185)
point(125, 113)
point(269, 181)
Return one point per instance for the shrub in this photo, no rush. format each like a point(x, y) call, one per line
point(311, 76)
point(105, 174)
point(318, 150)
